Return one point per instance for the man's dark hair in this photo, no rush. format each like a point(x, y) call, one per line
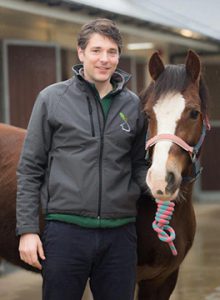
point(103, 27)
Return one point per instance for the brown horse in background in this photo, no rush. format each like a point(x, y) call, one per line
point(11, 141)
point(175, 104)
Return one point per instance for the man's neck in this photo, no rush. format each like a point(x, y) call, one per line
point(103, 89)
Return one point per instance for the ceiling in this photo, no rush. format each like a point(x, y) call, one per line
point(59, 21)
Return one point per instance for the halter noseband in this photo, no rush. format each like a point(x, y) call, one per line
point(192, 150)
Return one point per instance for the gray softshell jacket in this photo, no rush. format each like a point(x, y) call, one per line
point(74, 161)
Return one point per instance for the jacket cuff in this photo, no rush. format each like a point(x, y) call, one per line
point(26, 229)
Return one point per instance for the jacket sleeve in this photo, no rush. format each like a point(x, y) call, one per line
point(31, 168)
point(139, 164)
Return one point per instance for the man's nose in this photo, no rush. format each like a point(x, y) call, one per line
point(104, 56)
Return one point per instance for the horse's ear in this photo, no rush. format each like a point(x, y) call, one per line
point(156, 66)
point(193, 66)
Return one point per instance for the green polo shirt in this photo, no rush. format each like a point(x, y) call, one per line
point(106, 103)
point(89, 222)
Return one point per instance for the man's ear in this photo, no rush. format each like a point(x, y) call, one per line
point(80, 52)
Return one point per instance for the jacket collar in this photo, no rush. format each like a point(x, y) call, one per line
point(119, 78)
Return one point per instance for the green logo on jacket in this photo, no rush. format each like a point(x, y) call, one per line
point(124, 126)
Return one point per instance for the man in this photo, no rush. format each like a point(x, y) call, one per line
point(83, 156)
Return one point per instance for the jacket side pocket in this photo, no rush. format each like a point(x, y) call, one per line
point(48, 181)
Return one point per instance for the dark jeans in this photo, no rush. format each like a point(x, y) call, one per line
point(107, 257)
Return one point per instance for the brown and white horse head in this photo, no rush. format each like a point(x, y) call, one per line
point(175, 108)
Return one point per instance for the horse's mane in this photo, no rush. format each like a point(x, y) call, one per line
point(174, 79)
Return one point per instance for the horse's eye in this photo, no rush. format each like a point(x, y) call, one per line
point(194, 114)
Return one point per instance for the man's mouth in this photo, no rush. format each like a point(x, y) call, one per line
point(103, 68)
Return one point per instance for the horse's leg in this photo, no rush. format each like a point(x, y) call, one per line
point(147, 291)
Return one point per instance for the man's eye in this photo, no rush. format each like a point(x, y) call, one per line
point(113, 53)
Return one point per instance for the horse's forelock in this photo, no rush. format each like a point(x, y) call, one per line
point(173, 80)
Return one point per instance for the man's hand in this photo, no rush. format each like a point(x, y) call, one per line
point(30, 247)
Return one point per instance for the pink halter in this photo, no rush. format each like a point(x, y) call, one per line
point(192, 150)
point(172, 138)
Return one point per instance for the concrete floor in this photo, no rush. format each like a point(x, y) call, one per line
point(199, 277)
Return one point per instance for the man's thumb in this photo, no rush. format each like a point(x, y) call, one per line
point(41, 251)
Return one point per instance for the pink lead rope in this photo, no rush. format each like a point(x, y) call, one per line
point(161, 223)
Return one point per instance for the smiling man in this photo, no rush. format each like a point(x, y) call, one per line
point(100, 59)
point(83, 157)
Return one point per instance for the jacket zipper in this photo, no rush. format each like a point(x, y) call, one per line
point(90, 116)
point(100, 153)
point(101, 130)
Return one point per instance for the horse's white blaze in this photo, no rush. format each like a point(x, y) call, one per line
point(168, 111)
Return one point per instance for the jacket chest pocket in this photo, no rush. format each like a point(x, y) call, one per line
point(122, 134)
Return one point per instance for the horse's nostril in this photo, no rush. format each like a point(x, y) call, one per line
point(159, 192)
point(171, 183)
point(170, 178)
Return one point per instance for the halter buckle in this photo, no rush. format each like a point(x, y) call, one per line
point(193, 156)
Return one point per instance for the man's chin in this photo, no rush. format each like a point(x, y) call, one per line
point(102, 79)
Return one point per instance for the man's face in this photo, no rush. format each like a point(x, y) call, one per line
point(100, 58)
